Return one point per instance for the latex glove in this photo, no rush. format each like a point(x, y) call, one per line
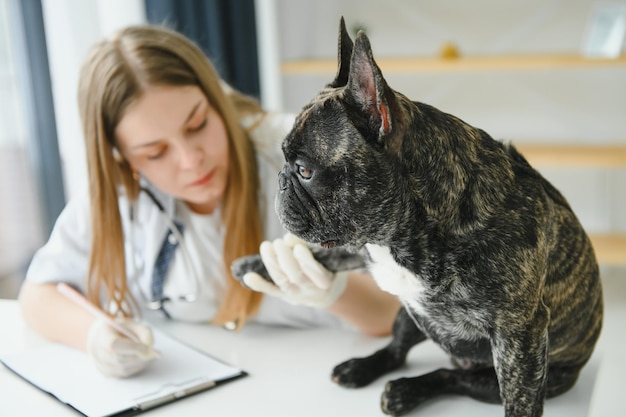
point(300, 279)
point(116, 355)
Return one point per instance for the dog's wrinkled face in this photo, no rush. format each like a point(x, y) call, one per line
point(340, 180)
point(323, 197)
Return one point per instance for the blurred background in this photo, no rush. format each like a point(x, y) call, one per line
point(548, 75)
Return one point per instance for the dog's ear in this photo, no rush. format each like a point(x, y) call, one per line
point(344, 53)
point(367, 86)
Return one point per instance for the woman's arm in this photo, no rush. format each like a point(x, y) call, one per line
point(53, 316)
point(60, 320)
point(364, 305)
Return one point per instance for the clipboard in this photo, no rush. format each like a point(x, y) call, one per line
point(69, 375)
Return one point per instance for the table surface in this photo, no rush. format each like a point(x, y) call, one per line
point(289, 375)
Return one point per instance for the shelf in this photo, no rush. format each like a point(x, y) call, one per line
point(610, 249)
point(609, 156)
point(500, 63)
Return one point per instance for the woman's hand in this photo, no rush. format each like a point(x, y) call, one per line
point(116, 355)
point(298, 277)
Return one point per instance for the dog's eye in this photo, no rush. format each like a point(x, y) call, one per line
point(304, 172)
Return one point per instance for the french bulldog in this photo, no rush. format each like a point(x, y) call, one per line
point(486, 256)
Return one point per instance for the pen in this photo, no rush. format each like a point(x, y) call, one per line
point(81, 301)
point(160, 400)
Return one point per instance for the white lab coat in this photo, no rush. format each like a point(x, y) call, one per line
point(65, 256)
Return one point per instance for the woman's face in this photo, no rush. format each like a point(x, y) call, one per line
point(177, 141)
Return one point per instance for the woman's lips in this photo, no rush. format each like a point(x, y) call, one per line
point(204, 180)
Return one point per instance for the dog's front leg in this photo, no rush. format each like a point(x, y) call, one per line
point(335, 260)
point(359, 372)
point(520, 353)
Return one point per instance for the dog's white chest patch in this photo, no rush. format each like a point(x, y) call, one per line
point(393, 278)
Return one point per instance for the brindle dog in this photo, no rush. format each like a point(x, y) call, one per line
point(486, 255)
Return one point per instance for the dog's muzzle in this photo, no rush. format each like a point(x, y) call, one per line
point(283, 181)
point(295, 208)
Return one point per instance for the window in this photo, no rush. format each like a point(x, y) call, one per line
point(24, 209)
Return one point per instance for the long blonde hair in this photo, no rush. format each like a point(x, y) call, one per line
point(116, 72)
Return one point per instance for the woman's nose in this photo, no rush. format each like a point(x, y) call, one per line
point(190, 154)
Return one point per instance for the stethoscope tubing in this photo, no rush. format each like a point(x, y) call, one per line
point(191, 296)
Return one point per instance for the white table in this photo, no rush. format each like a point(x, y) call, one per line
point(290, 376)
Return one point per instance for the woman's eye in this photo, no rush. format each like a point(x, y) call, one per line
point(198, 127)
point(305, 172)
point(156, 155)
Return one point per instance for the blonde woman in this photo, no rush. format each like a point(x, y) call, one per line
point(182, 175)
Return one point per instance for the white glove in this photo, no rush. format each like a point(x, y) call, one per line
point(116, 355)
point(299, 278)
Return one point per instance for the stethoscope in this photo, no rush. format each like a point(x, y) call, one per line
point(175, 237)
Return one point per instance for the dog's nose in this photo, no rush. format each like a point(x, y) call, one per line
point(282, 181)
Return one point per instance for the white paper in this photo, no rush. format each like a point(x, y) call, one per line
point(69, 375)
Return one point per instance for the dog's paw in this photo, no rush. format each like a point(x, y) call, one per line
point(359, 372)
point(354, 373)
point(251, 263)
point(335, 260)
point(401, 396)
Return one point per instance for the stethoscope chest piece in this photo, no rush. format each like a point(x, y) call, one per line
point(155, 305)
